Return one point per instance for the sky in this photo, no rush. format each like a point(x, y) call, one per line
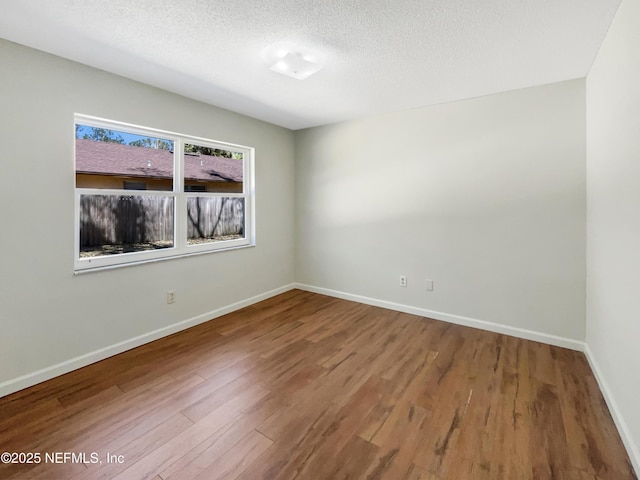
point(128, 137)
point(132, 137)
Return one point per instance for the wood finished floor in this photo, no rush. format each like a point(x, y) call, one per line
point(304, 386)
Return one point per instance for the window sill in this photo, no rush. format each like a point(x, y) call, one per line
point(159, 259)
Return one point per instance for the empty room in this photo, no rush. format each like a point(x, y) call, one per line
point(320, 240)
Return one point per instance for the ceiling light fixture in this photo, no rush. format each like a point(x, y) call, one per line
point(296, 65)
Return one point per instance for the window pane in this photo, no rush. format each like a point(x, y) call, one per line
point(214, 219)
point(209, 169)
point(114, 224)
point(117, 160)
point(135, 185)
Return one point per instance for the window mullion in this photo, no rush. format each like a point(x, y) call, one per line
point(181, 202)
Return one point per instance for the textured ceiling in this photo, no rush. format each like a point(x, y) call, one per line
point(379, 55)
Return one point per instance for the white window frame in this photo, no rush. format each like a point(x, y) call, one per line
point(180, 247)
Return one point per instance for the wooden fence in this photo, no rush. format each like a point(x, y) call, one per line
point(130, 219)
point(210, 217)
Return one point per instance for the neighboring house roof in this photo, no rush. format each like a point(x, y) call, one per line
point(103, 158)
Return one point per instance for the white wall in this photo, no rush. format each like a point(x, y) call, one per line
point(613, 221)
point(48, 315)
point(485, 196)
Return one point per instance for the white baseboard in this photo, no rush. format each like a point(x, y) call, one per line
point(623, 429)
point(67, 366)
point(447, 317)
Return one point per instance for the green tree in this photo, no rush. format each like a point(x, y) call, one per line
point(214, 152)
point(156, 143)
point(98, 134)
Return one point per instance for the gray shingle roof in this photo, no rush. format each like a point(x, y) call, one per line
point(102, 158)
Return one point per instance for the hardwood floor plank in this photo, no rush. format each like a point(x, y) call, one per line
point(98, 419)
point(296, 438)
point(137, 443)
point(245, 452)
point(207, 453)
point(352, 461)
point(416, 473)
point(308, 387)
point(398, 440)
point(201, 430)
point(48, 408)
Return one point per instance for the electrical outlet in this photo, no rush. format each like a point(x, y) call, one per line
point(429, 285)
point(171, 296)
point(403, 280)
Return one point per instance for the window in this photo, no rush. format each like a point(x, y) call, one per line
point(129, 185)
point(144, 194)
point(195, 188)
